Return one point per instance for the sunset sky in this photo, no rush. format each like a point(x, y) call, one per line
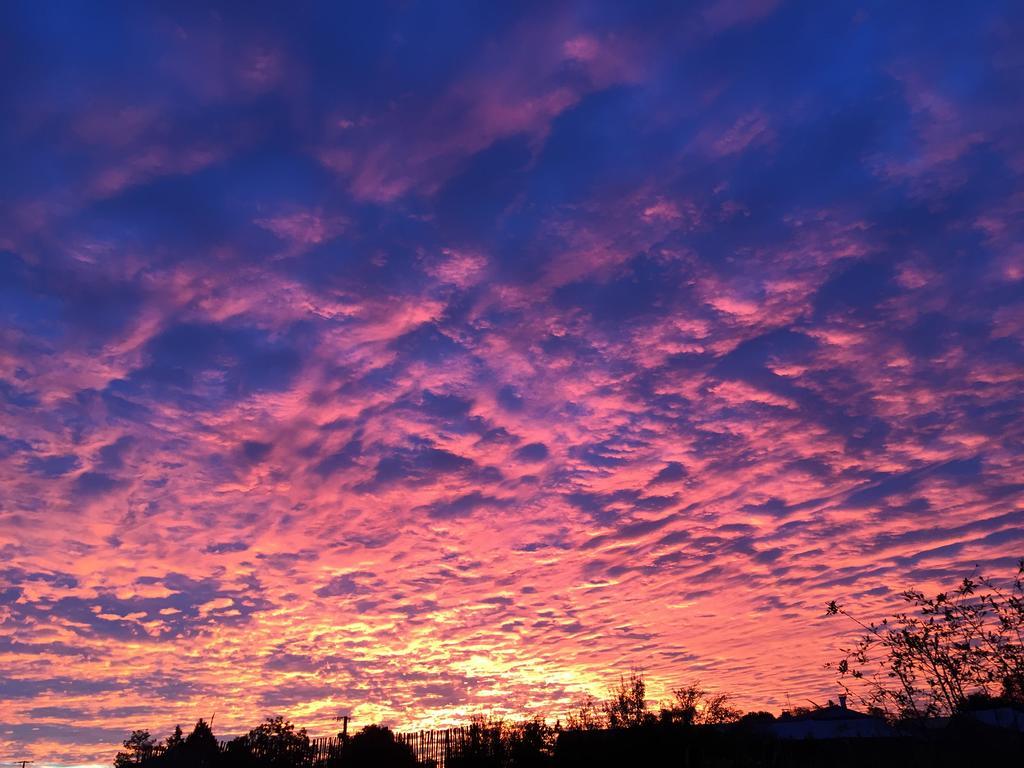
point(414, 360)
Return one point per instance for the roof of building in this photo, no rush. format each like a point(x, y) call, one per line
point(832, 712)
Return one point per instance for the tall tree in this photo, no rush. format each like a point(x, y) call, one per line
point(174, 749)
point(693, 705)
point(626, 706)
point(274, 743)
point(201, 747)
point(139, 749)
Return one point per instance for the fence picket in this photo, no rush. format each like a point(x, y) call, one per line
point(431, 748)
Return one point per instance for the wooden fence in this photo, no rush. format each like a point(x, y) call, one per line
point(324, 749)
point(433, 749)
point(430, 747)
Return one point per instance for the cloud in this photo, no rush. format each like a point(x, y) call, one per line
point(532, 452)
point(364, 360)
point(52, 466)
point(461, 506)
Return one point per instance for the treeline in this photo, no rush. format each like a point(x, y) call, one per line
point(924, 670)
point(648, 743)
point(275, 743)
point(695, 729)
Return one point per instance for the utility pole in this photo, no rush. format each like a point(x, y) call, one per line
point(22, 763)
point(344, 726)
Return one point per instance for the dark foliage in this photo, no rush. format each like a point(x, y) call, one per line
point(693, 705)
point(738, 746)
point(748, 742)
point(273, 744)
point(199, 748)
point(626, 706)
point(375, 746)
point(497, 744)
point(139, 749)
point(959, 650)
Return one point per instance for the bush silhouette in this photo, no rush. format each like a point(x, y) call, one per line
point(375, 746)
point(201, 749)
point(274, 743)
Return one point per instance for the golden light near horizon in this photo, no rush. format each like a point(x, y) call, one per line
point(419, 363)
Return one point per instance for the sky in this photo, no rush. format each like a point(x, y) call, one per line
point(420, 360)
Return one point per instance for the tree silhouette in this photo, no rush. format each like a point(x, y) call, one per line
point(944, 655)
point(174, 749)
point(626, 706)
point(588, 715)
point(530, 743)
point(375, 746)
point(756, 718)
point(500, 744)
point(693, 705)
point(201, 748)
point(274, 743)
point(139, 749)
point(175, 740)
